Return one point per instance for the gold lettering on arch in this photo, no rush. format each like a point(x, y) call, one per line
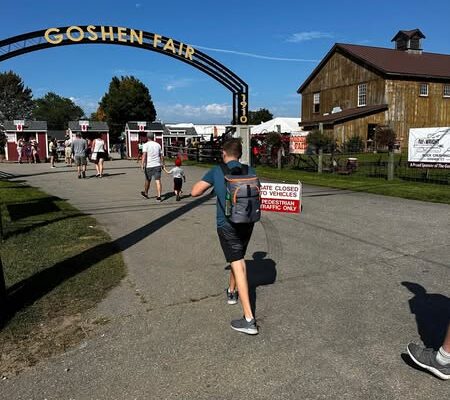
point(119, 34)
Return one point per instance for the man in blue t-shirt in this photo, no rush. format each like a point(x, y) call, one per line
point(233, 238)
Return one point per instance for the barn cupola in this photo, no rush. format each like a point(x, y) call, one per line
point(409, 41)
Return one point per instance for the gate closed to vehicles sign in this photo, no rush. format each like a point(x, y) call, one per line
point(281, 197)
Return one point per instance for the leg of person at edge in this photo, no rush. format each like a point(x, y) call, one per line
point(99, 167)
point(81, 168)
point(233, 238)
point(437, 362)
point(152, 162)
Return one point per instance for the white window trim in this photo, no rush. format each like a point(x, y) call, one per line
point(316, 95)
point(446, 85)
point(360, 86)
point(420, 90)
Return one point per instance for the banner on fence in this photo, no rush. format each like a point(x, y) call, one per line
point(429, 147)
point(281, 197)
point(297, 143)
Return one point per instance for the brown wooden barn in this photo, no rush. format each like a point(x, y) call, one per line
point(355, 88)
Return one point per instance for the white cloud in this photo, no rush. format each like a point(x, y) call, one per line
point(138, 5)
point(310, 35)
point(263, 57)
point(213, 112)
point(88, 104)
point(178, 84)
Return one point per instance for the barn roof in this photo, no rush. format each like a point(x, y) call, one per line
point(29, 126)
point(150, 126)
point(390, 63)
point(94, 126)
point(345, 115)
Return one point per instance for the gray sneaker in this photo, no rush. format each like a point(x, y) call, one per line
point(242, 325)
point(426, 358)
point(232, 297)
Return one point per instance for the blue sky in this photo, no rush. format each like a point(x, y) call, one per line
point(268, 32)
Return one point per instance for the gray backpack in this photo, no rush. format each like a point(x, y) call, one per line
point(242, 201)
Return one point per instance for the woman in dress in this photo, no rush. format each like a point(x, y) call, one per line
point(98, 155)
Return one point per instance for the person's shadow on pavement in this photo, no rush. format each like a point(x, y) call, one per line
point(260, 271)
point(432, 313)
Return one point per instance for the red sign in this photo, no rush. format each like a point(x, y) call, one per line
point(297, 144)
point(281, 197)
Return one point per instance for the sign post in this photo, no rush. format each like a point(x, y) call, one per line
point(281, 197)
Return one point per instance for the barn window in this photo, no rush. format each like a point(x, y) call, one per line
point(446, 90)
point(316, 102)
point(423, 91)
point(362, 94)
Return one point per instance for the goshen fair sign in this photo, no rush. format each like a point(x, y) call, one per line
point(118, 34)
point(281, 197)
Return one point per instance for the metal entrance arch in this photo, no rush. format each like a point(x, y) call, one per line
point(92, 34)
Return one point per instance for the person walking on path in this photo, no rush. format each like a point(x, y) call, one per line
point(437, 362)
point(19, 149)
point(34, 151)
point(234, 238)
point(98, 155)
point(68, 151)
point(79, 148)
point(151, 163)
point(52, 151)
point(178, 176)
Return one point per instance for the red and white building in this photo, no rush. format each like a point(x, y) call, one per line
point(90, 130)
point(27, 131)
point(136, 132)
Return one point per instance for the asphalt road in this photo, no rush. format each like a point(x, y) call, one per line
point(357, 276)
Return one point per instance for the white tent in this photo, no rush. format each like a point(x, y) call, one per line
point(279, 124)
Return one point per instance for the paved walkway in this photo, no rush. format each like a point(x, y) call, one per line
point(334, 325)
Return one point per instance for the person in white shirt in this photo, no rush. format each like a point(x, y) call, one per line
point(151, 163)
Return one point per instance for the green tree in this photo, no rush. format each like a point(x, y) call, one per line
point(320, 140)
point(98, 115)
point(56, 110)
point(127, 99)
point(259, 116)
point(15, 99)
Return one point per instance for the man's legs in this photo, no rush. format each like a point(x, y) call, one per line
point(84, 167)
point(239, 276)
point(158, 187)
point(232, 286)
point(146, 186)
point(437, 362)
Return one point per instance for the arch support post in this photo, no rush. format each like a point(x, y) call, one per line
point(240, 107)
point(243, 132)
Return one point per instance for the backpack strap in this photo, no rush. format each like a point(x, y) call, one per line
point(228, 171)
point(224, 168)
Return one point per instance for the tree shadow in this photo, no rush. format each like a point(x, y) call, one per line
point(261, 271)
point(432, 313)
point(29, 227)
point(33, 208)
point(31, 289)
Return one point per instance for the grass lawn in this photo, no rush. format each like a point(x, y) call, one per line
point(396, 188)
point(58, 265)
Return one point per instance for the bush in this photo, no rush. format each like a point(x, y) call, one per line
point(319, 140)
point(354, 145)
